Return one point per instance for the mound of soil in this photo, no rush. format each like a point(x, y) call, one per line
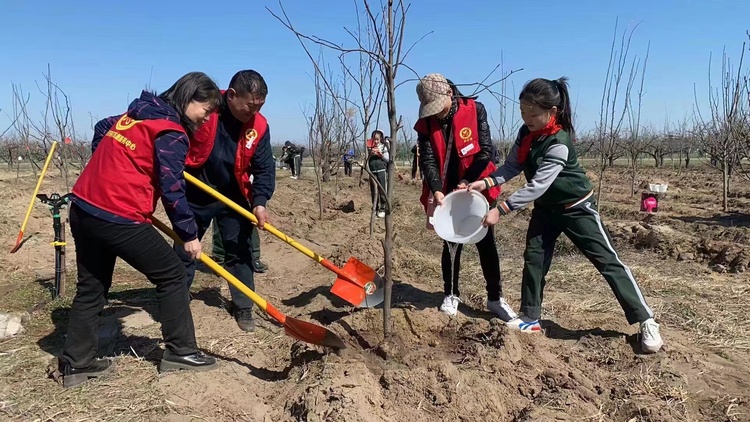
point(665, 240)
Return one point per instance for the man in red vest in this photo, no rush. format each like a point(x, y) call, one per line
point(230, 148)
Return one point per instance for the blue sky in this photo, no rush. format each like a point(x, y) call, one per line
point(103, 53)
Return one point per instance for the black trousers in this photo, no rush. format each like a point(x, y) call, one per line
point(583, 226)
point(295, 164)
point(379, 199)
point(347, 168)
point(98, 244)
point(488, 259)
point(236, 237)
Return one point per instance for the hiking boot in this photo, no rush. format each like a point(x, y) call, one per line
point(244, 318)
point(450, 305)
point(525, 324)
point(259, 266)
point(197, 361)
point(651, 341)
point(75, 376)
point(501, 309)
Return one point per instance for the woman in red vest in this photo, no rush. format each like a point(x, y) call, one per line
point(455, 149)
point(138, 157)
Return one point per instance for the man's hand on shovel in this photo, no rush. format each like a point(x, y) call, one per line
point(261, 215)
point(357, 283)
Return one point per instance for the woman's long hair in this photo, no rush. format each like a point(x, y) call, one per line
point(194, 86)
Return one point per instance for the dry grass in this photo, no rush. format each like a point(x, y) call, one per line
point(714, 314)
point(132, 393)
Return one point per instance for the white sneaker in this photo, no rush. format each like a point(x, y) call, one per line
point(525, 324)
point(450, 305)
point(501, 309)
point(293, 177)
point(651, 340)
point(381, 214)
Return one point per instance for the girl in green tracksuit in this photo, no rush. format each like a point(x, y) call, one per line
point(563, 203)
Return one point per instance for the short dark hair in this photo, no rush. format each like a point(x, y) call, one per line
point(194, 86)
point(249, 82)
point(547, 93)
point(382, 135)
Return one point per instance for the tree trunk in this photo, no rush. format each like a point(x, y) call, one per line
point(392, 118)
point(725, 186)
point(599, 188)
point(373, 186)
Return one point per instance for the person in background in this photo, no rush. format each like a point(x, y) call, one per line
point(283, 160)
point(292, 155)
point(456, 149)
point(138, 157)
point(348, 160)
point(415, 162)
point(378, 157)
point(564, 202)
point(497, 156)
point(232, 154)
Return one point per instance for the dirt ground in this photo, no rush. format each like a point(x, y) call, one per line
point(690, 260)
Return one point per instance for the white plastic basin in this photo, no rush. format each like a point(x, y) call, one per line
point(459, 219)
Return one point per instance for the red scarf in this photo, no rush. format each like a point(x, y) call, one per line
point(550, 129)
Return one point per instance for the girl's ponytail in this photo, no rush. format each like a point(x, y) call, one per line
point(565, 112)
point(549, 93)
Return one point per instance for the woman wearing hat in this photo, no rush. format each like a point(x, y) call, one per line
point(455, 149)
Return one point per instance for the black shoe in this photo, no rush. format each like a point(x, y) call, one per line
point(259, 266)
point(244, 318)
point(75, 376)
point(197, 361)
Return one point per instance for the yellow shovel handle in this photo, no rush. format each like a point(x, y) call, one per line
point(38, 185)
point(218, 269)
point(250, 216)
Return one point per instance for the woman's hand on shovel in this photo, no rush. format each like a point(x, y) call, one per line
point(193, 248)
point(261, 215)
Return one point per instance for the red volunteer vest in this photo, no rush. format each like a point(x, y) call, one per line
point(203, 142)
point(466, 142)
point(120, 177)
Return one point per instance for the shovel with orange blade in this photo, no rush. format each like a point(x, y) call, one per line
point(296, 328)
point(356, 283)
point(19, 239)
